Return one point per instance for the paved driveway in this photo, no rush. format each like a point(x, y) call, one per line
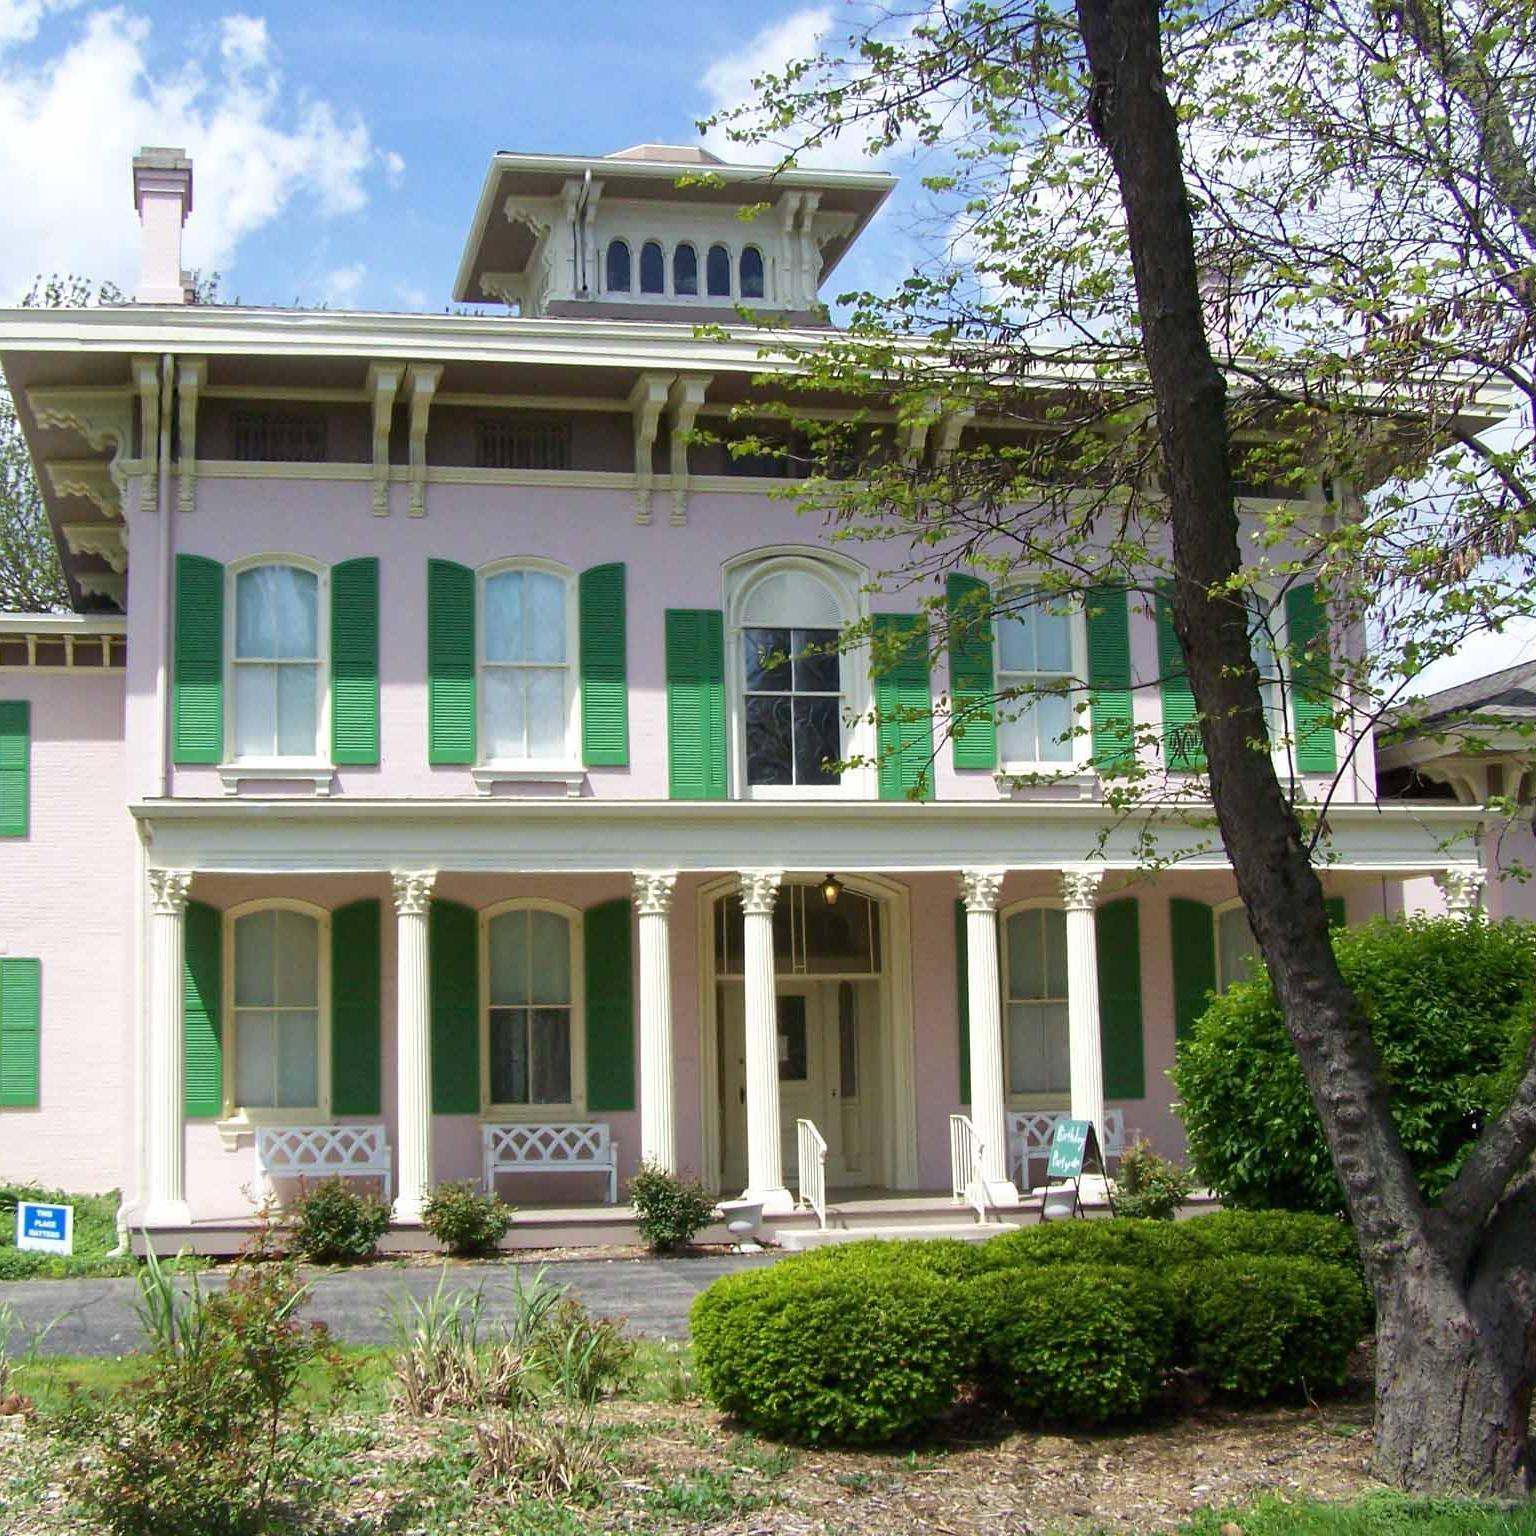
point(97, 1317)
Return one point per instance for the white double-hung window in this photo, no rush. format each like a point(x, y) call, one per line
point(527, 683)
point(1035, 954)
point(276, 954)
point(278, 662)
point(530, 994)
point(1036, 665)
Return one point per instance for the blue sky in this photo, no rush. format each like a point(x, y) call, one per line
point(340, 147)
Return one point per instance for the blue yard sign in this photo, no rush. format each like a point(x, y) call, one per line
point(1067, 1148)
point(45, 1228)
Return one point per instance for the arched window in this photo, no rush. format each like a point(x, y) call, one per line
point(1034, 656)
point(276, 662)
point(617, 269)
point(685, 269)
point(526, 685)
point(751, 273)
point(1036, 956)
point(792, 679)
point(1237, 951)
point(277, 1024)
point(653, 268)
point(530, 1001)
point(717, 272)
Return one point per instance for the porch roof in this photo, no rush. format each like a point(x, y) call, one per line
point(496, 835)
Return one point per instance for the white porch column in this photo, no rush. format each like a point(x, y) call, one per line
point(765, 1170)
point(988, 1095)
point(658, 1092)
point(1462, 886)
point(413, 1044)
point(165, 1200)
point(1079, 890)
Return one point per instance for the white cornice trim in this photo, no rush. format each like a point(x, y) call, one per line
point(63, 624)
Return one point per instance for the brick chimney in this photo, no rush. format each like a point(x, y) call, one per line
point(162, 192)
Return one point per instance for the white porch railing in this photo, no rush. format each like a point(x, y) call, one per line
point(813, 1169)
point(965, 1149)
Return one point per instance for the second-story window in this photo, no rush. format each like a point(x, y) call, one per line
point(616, 268)
point(717, 272)
point(685, 270)
point(792, 681)
point(751, 273)
point(277, 661)
point(653, 268)
point(526, 689)
point(1034, 655)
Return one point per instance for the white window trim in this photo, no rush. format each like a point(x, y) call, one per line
point(566, 769)
point(845, 579)
point(535, 1114)
point(1061, 1100)
point(1081, 744)
point(237, 1118)
point(317, 768)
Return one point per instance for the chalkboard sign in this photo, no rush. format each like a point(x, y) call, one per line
point(1069, 1146)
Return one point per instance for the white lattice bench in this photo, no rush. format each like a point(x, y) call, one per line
point(1030, 1133)
point(321, 1152)
point(574, 1147)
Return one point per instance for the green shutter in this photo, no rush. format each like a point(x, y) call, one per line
point(696, 703)
point(15, 767)
point(1109, 678)
point(21, 992)
point(1306, 632)
point(903, 707)
point(963, 999)
point(610, 995)
point(1193, 932)
point(355, 662)
point(1336, 913)
point(604, 677)
point(972, 687)
point(355, 1009)
point(455, 968)
point(1120, 1040)
point(450, 663)
point(197, 692)
point(1183, 749)
point(202, 992)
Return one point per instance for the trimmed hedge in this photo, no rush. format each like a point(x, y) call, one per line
point(1078, 1322)
point(1071, 1341)
point(1263, 1327)
point(845, 1357)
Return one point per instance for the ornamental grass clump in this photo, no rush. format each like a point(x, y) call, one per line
point(814, 1353)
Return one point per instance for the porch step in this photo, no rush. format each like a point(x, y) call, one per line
point(799, 1239)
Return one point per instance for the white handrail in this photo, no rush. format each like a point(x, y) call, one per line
point(965, 1149)
point(813, 1169)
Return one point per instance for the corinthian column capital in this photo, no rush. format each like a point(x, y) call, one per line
point(759, 891)
point(653, 891)
point(1080, 887)
point(981, 888)
point(413, 891)
point(168, 891)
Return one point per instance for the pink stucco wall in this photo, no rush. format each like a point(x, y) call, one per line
point(67, 899)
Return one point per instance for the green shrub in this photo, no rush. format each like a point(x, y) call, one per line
point(946, 1257)
point(830, 1355)
point(1262, 1327)
point(1072, 1342)
point(1271, 1234)
point(205, 1443)
point(1150, 1186)
point(331, 1223)
point(1450, 1005)
point(463, 1220)
point(1123, 1241)
point(669, 1210)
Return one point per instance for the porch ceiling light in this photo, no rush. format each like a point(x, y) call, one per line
point(831, 889)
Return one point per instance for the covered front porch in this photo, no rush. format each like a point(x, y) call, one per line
point(523, 1011)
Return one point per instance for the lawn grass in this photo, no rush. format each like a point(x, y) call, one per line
point(95, 1236)
point(1377, 1514)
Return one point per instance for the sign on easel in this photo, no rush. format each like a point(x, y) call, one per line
point(45, 1228)
point(1074, 1151)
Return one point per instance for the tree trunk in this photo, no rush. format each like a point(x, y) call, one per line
point(1454, 1379)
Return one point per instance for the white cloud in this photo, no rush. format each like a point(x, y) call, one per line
point(394, 166)
point(1478, 655)
point(70, 123)
point(340, 285)
point(20, 19)
point(411, 296)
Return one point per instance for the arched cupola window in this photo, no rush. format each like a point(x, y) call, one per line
point(717, 272)
point(752, 273)
point(685, 270)
point(653, 268)
point(617, 278)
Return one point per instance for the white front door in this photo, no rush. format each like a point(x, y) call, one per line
point(819, 1043)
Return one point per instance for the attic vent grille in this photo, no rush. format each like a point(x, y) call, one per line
point(523, 445)
point(282, 438)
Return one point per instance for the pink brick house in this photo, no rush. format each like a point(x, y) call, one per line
point(432, 782)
